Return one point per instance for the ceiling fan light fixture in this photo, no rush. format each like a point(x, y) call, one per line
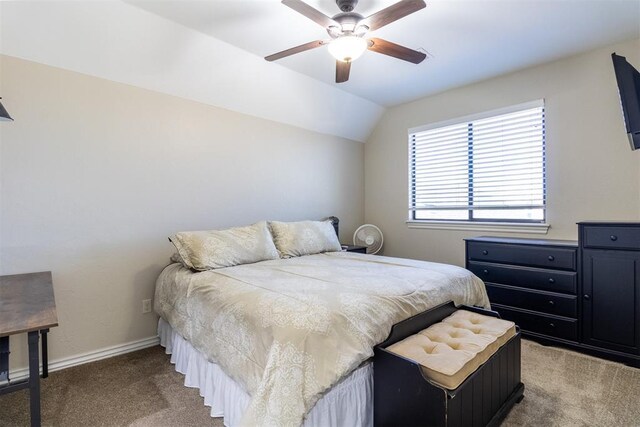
point(347, 48)
point(334, 31)
point(361, 30)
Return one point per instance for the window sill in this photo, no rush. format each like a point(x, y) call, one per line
point(498, 227)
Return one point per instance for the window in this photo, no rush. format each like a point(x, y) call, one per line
point(487, 168)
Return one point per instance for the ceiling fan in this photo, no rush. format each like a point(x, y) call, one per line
point(348, 30)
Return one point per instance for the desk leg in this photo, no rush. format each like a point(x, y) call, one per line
point(4, 358)
point(34, 378)
point(45, 354)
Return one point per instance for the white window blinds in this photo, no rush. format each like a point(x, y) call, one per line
point(489, 168)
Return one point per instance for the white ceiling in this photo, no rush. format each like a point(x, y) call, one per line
point(467, 40)
point(117, 41)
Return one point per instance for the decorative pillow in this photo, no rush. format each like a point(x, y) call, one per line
point(207, 250)
point(304, 237)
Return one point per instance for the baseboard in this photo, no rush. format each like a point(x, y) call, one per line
point(91, 356)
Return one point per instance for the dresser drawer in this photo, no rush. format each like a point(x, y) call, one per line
point(545, 302)
point(547, 325)
point(533, 278)
point(611, 237)
point(537, 256)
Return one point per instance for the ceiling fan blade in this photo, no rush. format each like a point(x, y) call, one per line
point(387, 48)
point(342, 71)
point(393, 13)
point(311, 13)
point(294, 50)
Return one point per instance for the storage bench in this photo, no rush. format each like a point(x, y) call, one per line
point(407, 393)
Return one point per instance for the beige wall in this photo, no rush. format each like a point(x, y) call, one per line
point(95, 175)
point(591, 172)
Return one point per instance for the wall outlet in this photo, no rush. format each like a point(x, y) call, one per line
point(146, 306)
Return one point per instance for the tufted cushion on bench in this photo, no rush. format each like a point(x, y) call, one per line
point(451, 350)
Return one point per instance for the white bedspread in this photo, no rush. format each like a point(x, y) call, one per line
point(287, 330)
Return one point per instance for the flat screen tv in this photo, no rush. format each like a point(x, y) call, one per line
point(628, 79)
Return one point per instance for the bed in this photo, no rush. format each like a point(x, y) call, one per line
point(287, 341)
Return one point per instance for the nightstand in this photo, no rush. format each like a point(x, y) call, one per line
point(354, 248)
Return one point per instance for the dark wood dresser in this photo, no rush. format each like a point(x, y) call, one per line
point(584, 295)
point(610, 255)
point(531, 282)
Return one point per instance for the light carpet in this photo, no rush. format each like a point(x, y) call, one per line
point(562, 388)
point(565, 388)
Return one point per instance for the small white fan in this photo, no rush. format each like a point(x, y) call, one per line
point(370, 236)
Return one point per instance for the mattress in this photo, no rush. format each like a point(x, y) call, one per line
point(287, 330)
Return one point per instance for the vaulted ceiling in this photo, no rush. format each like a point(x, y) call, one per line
point(212, 51)
point(467, 40)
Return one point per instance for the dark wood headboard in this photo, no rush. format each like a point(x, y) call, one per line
point(335, 221)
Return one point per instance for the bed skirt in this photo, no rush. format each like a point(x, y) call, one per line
point(350, 402)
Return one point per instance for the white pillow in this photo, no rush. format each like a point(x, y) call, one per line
point(208, 250)
point(304, 237)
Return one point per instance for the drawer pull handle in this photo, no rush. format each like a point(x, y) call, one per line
point(613, 238)
point(551, 302)
point(485, 252)
point(552, 280)
point(552, 325)
point(551, 257)
point(587, 296)
point(485, 271)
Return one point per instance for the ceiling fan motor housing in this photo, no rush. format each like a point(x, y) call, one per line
point(348, 23)
point(346, 5)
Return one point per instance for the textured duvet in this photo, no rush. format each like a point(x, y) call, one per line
point(287, 330)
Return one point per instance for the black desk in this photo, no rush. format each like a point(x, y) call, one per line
point(27, 305)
